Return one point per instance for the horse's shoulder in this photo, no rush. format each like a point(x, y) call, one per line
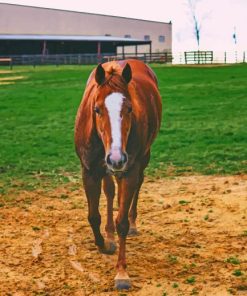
point(146, 103)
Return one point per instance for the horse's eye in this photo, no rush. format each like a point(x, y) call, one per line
point(96, 110)
point(129, 109)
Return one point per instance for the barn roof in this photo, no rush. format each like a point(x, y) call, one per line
point(119, 40)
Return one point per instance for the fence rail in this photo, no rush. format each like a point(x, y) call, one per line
point(200, 57)
point(6, 61)
point(85, 59)
point(161, 57)
point(63, 59)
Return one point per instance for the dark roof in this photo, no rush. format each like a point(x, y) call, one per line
point(119, 40)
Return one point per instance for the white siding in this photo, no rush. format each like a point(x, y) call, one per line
point(16, 19)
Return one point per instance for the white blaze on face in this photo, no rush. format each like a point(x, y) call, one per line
point(114, 103)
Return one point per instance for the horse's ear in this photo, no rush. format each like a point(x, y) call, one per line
point(127, 73)
point(100, 75)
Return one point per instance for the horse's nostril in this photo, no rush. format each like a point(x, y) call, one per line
point(108, 159)
point(124, 157)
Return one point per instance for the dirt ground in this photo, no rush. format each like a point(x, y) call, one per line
point(192, 241)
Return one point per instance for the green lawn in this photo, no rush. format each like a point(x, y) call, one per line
point(204, 128)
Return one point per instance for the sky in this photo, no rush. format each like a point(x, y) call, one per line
point(217, 18)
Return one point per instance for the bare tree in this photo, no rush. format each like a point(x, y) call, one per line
point(195, 18)
point(234, 35)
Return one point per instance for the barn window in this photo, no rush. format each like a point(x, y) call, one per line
point(161, 38)
point(146, 37)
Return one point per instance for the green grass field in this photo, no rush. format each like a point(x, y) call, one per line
point(203, 129)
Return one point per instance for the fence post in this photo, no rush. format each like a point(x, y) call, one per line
point(244, 57)
point(225, 57)
point(185, 57)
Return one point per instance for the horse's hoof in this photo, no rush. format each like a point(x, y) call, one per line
point(109, 247)
point(122, 283)
point(133, 232)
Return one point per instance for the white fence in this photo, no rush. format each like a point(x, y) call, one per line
point(219, 57)
point(161, 57)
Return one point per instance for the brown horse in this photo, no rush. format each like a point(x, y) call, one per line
point(117, 121)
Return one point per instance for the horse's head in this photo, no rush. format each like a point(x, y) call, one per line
point(113, 112)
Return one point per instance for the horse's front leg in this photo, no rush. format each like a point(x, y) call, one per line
point(127, 187)
point(109, 189)
point(92, 186)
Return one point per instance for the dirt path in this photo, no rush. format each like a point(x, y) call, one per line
point(193, 241)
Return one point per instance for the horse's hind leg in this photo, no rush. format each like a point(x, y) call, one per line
point(133, 210)
point(92, 186)
point(109, 189)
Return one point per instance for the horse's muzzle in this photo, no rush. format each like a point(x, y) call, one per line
point(116, 160)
